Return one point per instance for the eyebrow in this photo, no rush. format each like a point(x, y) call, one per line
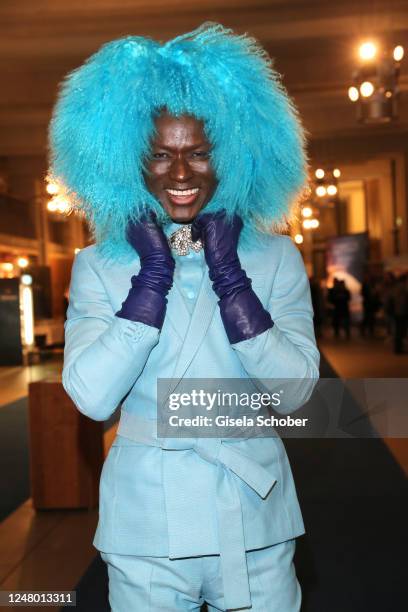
point(190, 148)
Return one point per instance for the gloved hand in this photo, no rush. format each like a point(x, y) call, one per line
point(146, 301)
point(241, 310)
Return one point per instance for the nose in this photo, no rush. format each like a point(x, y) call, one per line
point(180, 169)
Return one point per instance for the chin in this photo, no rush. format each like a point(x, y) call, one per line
point(182, 216)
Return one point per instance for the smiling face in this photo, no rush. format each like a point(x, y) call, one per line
point(179, 172)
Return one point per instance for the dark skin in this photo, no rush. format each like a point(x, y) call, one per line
point(180, 161)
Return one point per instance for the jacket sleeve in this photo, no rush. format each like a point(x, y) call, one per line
point(104, 355)
point(288, 349)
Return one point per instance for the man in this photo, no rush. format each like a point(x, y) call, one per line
point(183, 155)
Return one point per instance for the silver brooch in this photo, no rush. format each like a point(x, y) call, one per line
point(181, 242)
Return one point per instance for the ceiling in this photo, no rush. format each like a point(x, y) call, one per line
point(313, 42)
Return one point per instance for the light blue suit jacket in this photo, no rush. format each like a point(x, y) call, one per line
point(212, 497)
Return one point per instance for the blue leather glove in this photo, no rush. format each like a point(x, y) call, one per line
point(146, 301)
point(241, 310)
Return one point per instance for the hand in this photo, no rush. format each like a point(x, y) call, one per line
point(146, 301)
point(241, 310)
point(220, 240)
point(148, 240)
point(219, 235)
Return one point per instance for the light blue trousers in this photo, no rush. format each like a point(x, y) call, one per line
point(158, 584)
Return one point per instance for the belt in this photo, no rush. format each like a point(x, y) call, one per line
point(229, 462)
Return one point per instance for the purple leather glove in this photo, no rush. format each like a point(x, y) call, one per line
point(241, 310)
point(146, 301)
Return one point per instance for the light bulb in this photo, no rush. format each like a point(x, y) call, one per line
point(52, 205)
point(62, 206)
point(398, 53)
point(307, 211)
point(52, 188)
point(22, 262)
point(332, 190)
point(366, 89)
point(319, 173)
point(58, 203)
point(367, 51)
point(336, 173)
point(320, 191)
point(26, 279)
point(298, 238)
point(353, 94)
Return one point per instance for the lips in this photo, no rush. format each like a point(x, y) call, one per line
point(182, 196)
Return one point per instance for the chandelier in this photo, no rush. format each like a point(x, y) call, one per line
point(59, 203)
point(375, 83)
point(325, 183)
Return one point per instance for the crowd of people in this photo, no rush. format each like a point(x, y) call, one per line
point(383, 310)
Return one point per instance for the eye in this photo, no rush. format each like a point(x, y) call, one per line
point(201, 154)
point(160, 156)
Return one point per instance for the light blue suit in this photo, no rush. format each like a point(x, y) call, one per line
point(209, 498)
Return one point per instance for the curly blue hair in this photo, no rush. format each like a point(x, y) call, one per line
point(104, 120)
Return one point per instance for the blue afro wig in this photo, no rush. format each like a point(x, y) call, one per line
point(104, 120)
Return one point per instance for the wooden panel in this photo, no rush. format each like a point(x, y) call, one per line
point(66, 450)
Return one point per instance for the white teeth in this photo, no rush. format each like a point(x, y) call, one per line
point(182, 192)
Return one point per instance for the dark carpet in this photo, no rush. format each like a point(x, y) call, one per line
point(354, 501)
point(14, 457)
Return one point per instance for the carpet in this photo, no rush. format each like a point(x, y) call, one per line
point(14, 456)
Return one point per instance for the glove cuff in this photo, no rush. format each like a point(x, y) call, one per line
point(145, 305)
point(243, 315)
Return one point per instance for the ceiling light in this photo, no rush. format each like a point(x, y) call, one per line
point(307, 211)
point(26, 279)
point(52, 205)
point(367, 51)
point(52, 188)
point(398, 53)
point(353, 94)
point(62, 205)
point(22, 262)
point(366, 89)
point(331, 190)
